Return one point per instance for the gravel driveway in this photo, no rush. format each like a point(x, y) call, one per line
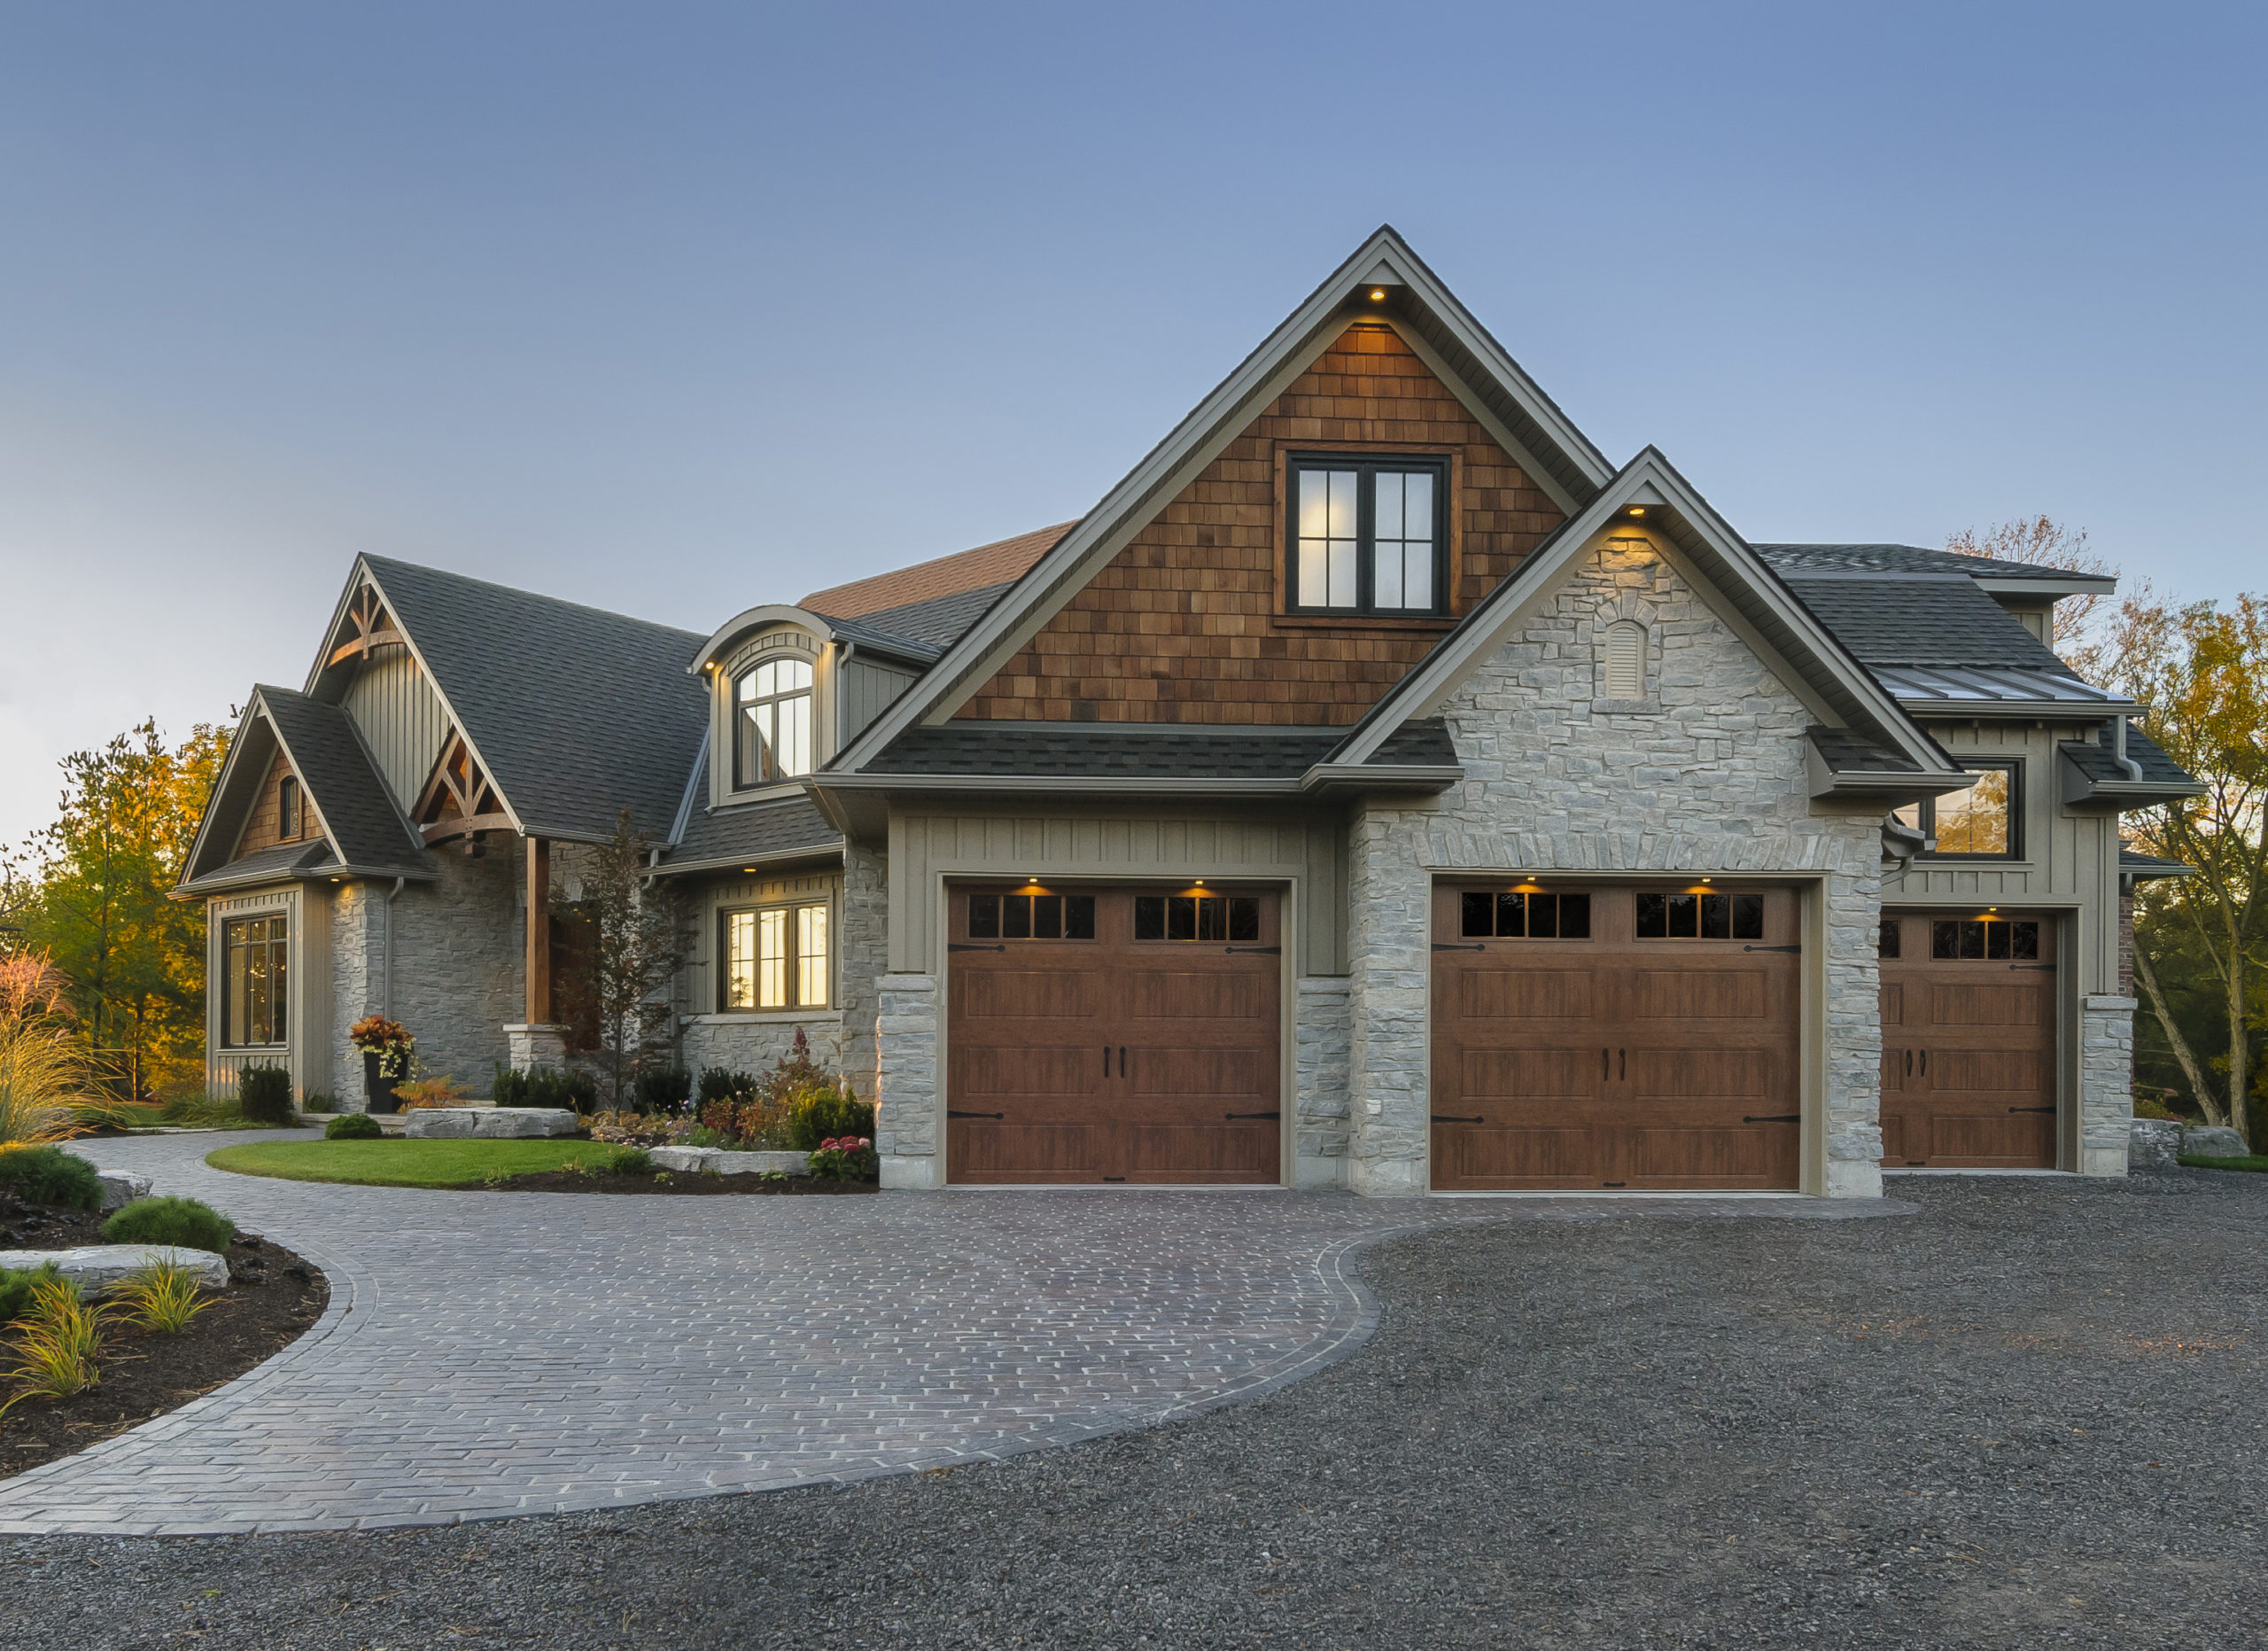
point(2030, 1416)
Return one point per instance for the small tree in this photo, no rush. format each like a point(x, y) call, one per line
point(634, 934)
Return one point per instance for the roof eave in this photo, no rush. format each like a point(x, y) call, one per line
point(1960, 709)
point(1335, 779)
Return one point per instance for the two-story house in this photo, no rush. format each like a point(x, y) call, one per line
point(1377, 789)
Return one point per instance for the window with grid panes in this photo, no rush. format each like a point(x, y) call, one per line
point(1368, 536)
point(775, 957)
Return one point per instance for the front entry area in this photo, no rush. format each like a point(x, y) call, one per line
point(1590, 1037)
point(1968, 1042)
point(1112, 1035)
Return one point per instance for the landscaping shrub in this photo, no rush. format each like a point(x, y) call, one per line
point(828, 1111)
point(51, 1175)
point(196, 1109)
point(264, 1095)
point(16, 1289)
point(846, 1158)
point(430, 1092)
point(183, 1221)
point(45, 1071)
point(630, 1161)
point(353, 1126)
point(722, 1083)
point(661, 1089)
point(572, 1091)
point(317, 1102)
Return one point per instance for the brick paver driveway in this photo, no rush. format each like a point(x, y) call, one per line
point(492, 1353)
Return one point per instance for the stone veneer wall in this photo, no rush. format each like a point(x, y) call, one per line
point(1709, 778)
point(905, 1082)
point(357, 968)
point(2106, 1084)
point(458, 948)
point(1319, 1088)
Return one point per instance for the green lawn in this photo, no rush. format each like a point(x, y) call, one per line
point(405, 1162)
point(2257, 1165)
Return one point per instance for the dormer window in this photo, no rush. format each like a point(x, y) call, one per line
point(1367, 534)
point(287, 809)
point(771, 724)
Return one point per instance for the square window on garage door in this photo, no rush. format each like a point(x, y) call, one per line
point(1031, 916)
point(1700, 917)
point(1196, 917)
point(1526, 914)
point(1984, 938)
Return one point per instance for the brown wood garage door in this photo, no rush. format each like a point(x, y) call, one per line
point(1112, 1035)
point(1615, 1037)
point(1968, 1042)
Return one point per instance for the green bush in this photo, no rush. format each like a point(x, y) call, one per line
point(264, 1095)
point(183, 1221)
point(722, 1083)
point(16, 1289)
point(198, 1111)
point(661, 1089)
point(572, 1091)
point(630, 1161)
point(318, 1101)
point(51, 1175)
point(353, 1126)
point(825, 1111)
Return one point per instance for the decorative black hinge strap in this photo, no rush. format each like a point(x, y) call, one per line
point(1442, 946)
point(1252, 1115)
point(962, 945)
point(1771, 949)
point(1272, 951)
point(2032, 1109)
point(1776, 1117)
point(950, 1113)
point(1443, 1118)
point(2043, 967)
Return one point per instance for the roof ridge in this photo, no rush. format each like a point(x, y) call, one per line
point(381, 562)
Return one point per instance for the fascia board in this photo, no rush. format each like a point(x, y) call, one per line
point(1485, 416)
point(2065, 585)
point(1270, 364)
point(1047, 784)
point(2086, 714)
point(1357, 777)
point(236, 745)
point(455, 721)
point(812, 854)
point(692, 790)
point(355, 575)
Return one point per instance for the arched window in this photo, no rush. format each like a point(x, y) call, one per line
point(1625, 660)
point(771, 724)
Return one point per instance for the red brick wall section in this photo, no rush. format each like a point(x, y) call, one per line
point(1183, 626)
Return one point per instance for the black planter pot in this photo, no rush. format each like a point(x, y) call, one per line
point(377, 1090)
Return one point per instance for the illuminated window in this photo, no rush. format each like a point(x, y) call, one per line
point(1979, 823)
point(772, 723)
point(254, 980)
point(1367, 535)
point(774, 958)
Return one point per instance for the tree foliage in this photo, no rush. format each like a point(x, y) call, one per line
point(2045, 542)
point(634, 943)
point(93, 899)
point(2201, 942)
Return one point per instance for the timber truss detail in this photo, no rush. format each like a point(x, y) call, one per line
point(374, 628)
point(461, 800)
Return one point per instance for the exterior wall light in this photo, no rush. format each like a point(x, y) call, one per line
point(1378, 295)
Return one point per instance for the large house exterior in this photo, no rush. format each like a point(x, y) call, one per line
point(1377, 789)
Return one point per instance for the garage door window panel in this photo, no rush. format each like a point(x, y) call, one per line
point(1517, 915)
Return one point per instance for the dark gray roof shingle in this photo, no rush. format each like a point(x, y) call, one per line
point(2101, 765)
point(1847, 752)
point(866, 635)
point(281, 862)
point(751, 831)
point(940, 621)
point(349, 793)
point(1922, 621)
point(1105, 750)
point(581, 713)
point(1422, 742)
point(1791, 560)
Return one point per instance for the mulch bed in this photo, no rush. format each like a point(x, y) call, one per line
point(273, 1297)
point(692, 1186)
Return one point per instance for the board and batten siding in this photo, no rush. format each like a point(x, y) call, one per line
point(306, 1014)
point(1309, 853)
point(865, 691)
point(400, 718)
point(2070, 859)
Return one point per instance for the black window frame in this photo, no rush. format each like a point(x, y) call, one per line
point(291, 809)
point(1004, 920)
point(1367, 465)
point(277, 950)
point(1926, 815)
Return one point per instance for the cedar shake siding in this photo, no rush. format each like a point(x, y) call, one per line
point(1185, 623)
point(261, 827)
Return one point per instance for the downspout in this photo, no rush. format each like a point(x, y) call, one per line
point(386, 975)
point(2118, 749)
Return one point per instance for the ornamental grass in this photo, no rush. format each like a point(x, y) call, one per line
point(57, 1345)
point(44, 1072)
point(162, 1298)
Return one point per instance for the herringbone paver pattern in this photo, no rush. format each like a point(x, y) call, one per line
point(493, 1354)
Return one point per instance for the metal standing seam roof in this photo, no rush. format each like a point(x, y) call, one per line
point(579, 713)
point(1963, 687)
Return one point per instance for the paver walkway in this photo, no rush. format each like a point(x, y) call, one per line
point(494, 1353)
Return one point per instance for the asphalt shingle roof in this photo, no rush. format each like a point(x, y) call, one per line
point(1847, 751)
point(865, 634)
point(281, 862)
point(1922, 621)
point(2099, 763)
point(752, 830)
point(1791, 560)
point(580, 713)
point(940, 621)
point(346, 789)
point(1107, 751)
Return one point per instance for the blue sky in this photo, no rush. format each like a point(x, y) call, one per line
point(674, 308)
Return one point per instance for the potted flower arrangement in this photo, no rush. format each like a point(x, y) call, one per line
point(388, 1056)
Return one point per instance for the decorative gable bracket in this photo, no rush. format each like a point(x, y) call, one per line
point(374, 628)
point(461, 800)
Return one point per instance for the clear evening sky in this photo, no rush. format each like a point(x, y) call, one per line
point(675, 308)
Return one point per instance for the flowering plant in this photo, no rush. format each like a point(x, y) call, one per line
point(846, 1158)
point(432, 1092)
point(388, 1039)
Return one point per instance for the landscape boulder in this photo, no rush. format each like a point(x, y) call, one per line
point(488, 1123)
point(715, 1160)
point(2214, 1140)
point(2155, 1144)
point(120, 1189)
point(97, 1266)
